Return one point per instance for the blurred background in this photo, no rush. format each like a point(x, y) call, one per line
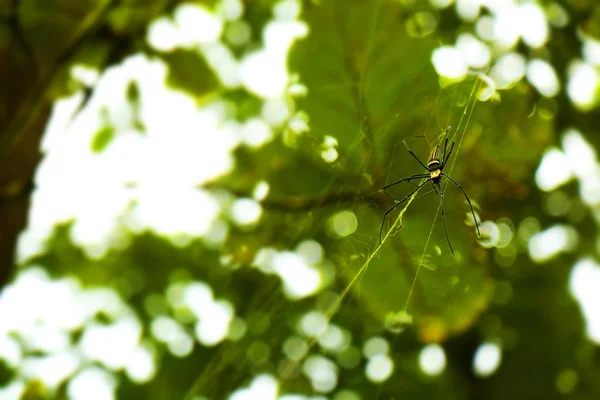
point(191, 199)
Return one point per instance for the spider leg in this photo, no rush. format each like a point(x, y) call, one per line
point(413, 154)
point(416, 176)
point(468, 201)
point(444, 218)
point(447, 158)
point(433, 185)
point(444, 156)
point(446, 144)
point(395, 206)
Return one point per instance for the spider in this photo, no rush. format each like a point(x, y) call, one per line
point(435, 171)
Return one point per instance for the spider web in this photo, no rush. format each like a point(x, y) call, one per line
point(460, 131)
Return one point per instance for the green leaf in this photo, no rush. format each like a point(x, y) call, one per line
point(366, 92)
point(371, 86)
point(103, 137)
point(189, 71)
point(591, 25)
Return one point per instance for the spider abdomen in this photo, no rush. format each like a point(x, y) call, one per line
point(433, 165)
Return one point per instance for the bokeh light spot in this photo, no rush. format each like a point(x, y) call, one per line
point(486, 359)
point(432, 359)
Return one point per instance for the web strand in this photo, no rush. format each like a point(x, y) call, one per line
point(468, 113)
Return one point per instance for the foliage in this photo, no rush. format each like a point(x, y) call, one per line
point(362, 83)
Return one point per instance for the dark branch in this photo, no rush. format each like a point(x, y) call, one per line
point(38, 97)
point(307, 203)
